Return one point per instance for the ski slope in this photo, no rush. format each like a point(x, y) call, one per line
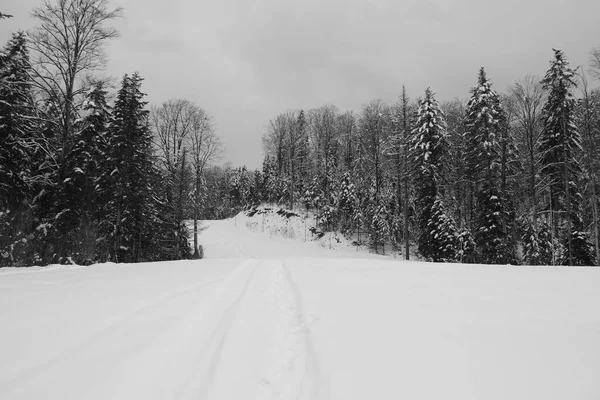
point(270, 318)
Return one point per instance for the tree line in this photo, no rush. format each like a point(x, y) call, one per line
point(87, 174)
point(502, 178)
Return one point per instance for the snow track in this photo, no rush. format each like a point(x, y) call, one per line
point(227, 303)
point(295, 372)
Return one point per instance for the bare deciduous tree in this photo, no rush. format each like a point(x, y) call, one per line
point(595, 63)
point(69, 42)
point(527, 97)
point(184, 131)
point(274, 140)
point(374, 126)
point(172, 122)
point(324, 135)
point(205, 147)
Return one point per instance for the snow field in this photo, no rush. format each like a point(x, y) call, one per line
point(424, 331)
point(272, 318)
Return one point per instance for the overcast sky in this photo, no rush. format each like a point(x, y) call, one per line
point(246, 60)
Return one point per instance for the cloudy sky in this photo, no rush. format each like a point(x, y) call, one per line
point(246, 60)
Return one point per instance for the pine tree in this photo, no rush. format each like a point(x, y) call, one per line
point(380, 230)
point(127, 226)
point(358, 217)
point(256, 188)
point(560, 145)
point(490, 214)
point(466, 247)
point(15, 151)
point(537, 245)
point(303, 156)
point(437, 238)
point(348, 201)
point(270, 180)
point(582, 250)
point(442, 231)
point(84, 170)
point(494, 245)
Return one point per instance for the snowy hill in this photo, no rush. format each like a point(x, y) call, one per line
point(272, 318)
point(301, 226)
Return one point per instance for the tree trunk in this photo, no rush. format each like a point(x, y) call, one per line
point(567, 189)
point(569, 222)
point(595, 216)
point(405, 134)
point(532, 192)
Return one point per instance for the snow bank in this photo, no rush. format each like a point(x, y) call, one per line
point(299, 225)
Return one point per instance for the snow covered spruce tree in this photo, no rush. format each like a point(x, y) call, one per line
point(348, 201)
point(271, 184)
point(560, 146)
point(15, 152)
point(131, 228)
point(302, 162)
point(490, 216)
point(380, 229)
point(84, 168)
point(537, 243)
point(437, 237)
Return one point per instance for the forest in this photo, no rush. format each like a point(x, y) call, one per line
point(90, 172)
point(87, 173)
point(500, 178)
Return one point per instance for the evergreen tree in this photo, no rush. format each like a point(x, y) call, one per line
point(78, 203)
point(466, 247)
point(255, 195)
point(380, 230)
point(560, 145)
point(302, 154)
point(348, 201)
point(270, 180)
point(494, 244)
point(490, 214)
point(358, 217)
point(582, 250)
point(537, 245)
point(437, 238)
point(15, 151)
point(127, 227)
point(442, 233)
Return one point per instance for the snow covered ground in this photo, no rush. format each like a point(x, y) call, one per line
point(297, 225)
point(273, 318)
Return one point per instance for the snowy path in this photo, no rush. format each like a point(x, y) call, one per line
point(263, 318)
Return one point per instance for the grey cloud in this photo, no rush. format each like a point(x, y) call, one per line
point(246, 60)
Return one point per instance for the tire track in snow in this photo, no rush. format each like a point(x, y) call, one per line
point(209, 357)
point(72, 351)
point(295, 372)
point(244, 252)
